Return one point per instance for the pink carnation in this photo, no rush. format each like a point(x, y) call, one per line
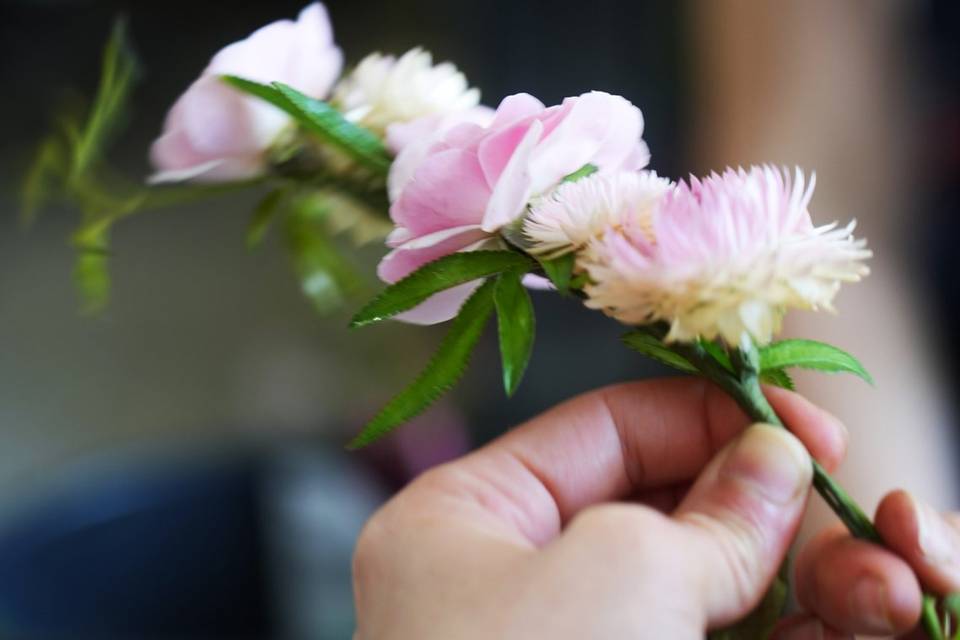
point(214, 133)
point(457, 194)
point(723, 256)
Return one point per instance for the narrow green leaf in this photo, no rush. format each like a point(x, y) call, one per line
point(515, 322)
point(263, 217)
point(718, 353)
point(779, 378)
point(318, 116)
point(91, 271)
point(436, 276)
point(265, 92)
point(810, 354)
point(444, 370)
point(582, 172)
point(651, 346)
point(118, 74)
point(559, 270)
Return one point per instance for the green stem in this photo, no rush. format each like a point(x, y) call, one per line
point(747, 392)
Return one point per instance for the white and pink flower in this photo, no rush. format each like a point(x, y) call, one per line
point(723, 256)
point(457, 194)
point(214, 133)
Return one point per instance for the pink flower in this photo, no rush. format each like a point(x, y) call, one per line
point(459, 192)
point(723, 256)
point(214, 133)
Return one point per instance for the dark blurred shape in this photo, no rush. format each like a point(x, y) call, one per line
point(174, 552)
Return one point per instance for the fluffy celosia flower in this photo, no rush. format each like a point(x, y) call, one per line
point(723, 256)
point(383, 90)
point(574, 213)
point(473, 180)
point(215, 133)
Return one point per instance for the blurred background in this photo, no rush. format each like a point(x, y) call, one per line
point(175, 468)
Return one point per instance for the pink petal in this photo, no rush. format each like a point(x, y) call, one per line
point(514, 185)
point(447, 190)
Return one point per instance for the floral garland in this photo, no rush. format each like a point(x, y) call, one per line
point(477, 205)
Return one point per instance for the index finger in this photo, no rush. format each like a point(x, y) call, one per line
point(610, 443)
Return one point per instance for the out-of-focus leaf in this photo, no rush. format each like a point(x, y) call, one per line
point(326, 276)
point(515, 322)
point(810, 354)
point(108, 113)
point(718, 353)
point(582, 172)
point(433, 277)
point(759, 624)
point(41, 182)
point(559, 270)
point(651, 346)
point(263, 216)
point(444, 370)
point(91, 269)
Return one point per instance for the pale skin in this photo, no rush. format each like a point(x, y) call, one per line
point(643, 510)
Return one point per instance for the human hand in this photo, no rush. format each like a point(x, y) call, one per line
point(851, 586)
point(640, 510)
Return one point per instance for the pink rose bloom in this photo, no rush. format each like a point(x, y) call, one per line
point(214, 133)
point(473, 180)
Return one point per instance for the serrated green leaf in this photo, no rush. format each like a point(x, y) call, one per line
point(759, 623)
point(778, 378)
point(322, 119)
point(515, 322)
point(436, 276)
point(559, 270)
point(319, 117)
point(810, 354)
point(441, 374)
point(582, 172)
point(263, 216)
point(652, 347)
point(265, 92)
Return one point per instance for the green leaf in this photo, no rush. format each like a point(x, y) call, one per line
point(265, 92)
point(559, 270)
point(515, 322)
point(433, 277)
point(263, 217)
point(718, 353)
point(118, 74)
point(318, 116)
point(810, 354)
point(582, 172)
point(444, 370)
point(759, 623)
point(778, 378)
point(326, 276)
point(651, 346)
point(91, 270)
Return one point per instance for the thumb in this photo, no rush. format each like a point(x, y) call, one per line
point(741, 515)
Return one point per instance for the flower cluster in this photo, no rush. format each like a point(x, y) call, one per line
point(720, 257)
point(215, 133)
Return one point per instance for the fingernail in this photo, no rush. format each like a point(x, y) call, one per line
point(937, 544)
point(809, 630)
point(771, 462)
point(868, 603)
